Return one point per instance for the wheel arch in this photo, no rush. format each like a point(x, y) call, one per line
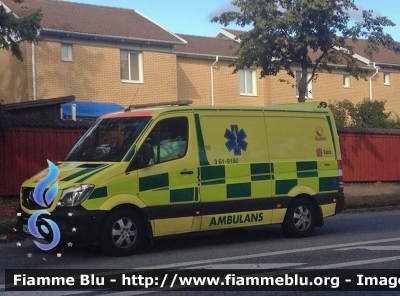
point(312, 199)
point(135, 209)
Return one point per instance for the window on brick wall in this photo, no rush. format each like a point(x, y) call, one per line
point(386, 78)
point(247, 81)
point(131, 66)
point(66, 52)
point(346, 81)
point(309, 85)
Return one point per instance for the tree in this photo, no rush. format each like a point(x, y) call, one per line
point(366, 114)
point(310, 34)
point(14, 29)
point(344, 112)
point(372, 114)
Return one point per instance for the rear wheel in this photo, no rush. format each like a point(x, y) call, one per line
point(300, 218)
point(123, 233)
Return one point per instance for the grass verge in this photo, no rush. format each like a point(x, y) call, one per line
point(373, 201)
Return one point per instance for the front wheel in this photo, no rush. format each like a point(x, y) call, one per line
point(300, 218)
point(123, 233)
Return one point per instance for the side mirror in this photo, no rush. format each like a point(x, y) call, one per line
point(145, 156)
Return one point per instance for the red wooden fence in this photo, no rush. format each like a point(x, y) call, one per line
point(24, 151)
point(367, 155)
point(370, 155)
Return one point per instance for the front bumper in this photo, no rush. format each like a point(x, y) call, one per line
point(75, 223)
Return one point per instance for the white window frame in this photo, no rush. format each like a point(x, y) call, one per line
point(386, 78)
point(244, 73)
point(309, 95)
point(346, 81)
point(140, 66)
point(66, 52)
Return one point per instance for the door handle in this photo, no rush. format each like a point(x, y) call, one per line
point(186, 172)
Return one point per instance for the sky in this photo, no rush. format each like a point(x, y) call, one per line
point(193, 16)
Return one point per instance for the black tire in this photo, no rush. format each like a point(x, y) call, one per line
point(123, 233)
point(300, 219)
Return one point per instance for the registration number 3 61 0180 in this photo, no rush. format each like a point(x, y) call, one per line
point(226, 160)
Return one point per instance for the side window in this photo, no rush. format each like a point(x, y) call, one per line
point(169, 139)
point(247, 82)
point(386, 78)
point(66, 52)
point(131, 66)
point(346, 81)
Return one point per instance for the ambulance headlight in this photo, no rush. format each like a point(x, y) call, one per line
point(74, 196)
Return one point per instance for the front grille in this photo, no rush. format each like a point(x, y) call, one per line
point(28, 200)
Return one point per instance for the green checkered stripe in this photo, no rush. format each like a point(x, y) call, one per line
point(263, 179)
point(243, 180)
point(160, 184)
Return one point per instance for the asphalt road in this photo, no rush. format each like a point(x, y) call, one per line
point(363, 240)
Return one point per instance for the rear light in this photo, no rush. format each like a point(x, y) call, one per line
point(340, 173)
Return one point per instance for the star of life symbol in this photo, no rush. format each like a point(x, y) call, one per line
point(236, 140)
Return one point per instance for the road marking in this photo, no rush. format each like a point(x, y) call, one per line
point(373, 248)
point(269, 254)
point(354, 263)
point(249, 266)
point(251, 256)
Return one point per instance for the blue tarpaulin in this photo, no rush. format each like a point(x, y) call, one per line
point(89, 109)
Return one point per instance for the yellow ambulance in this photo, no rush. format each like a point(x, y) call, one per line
point(162, 170)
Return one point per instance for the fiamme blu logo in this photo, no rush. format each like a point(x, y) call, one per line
point(44, 199)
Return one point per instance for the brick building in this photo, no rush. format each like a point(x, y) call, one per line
point(200, 53)
point(130, 59)
point(82, 55)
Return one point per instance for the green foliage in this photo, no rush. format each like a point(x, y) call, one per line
point(372, 114)
point(367, 114)
point(373, 201)
point(312, 35)
point(345, 113)
point(14, 29)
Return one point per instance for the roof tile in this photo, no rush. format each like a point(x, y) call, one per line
point(207, 46)
point(93, 19)
point(383, 56)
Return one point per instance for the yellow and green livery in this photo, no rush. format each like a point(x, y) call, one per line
point(164, 170)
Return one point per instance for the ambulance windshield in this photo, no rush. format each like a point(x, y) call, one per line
point(109, 139)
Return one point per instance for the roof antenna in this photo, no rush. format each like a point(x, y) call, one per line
point(129, 107)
